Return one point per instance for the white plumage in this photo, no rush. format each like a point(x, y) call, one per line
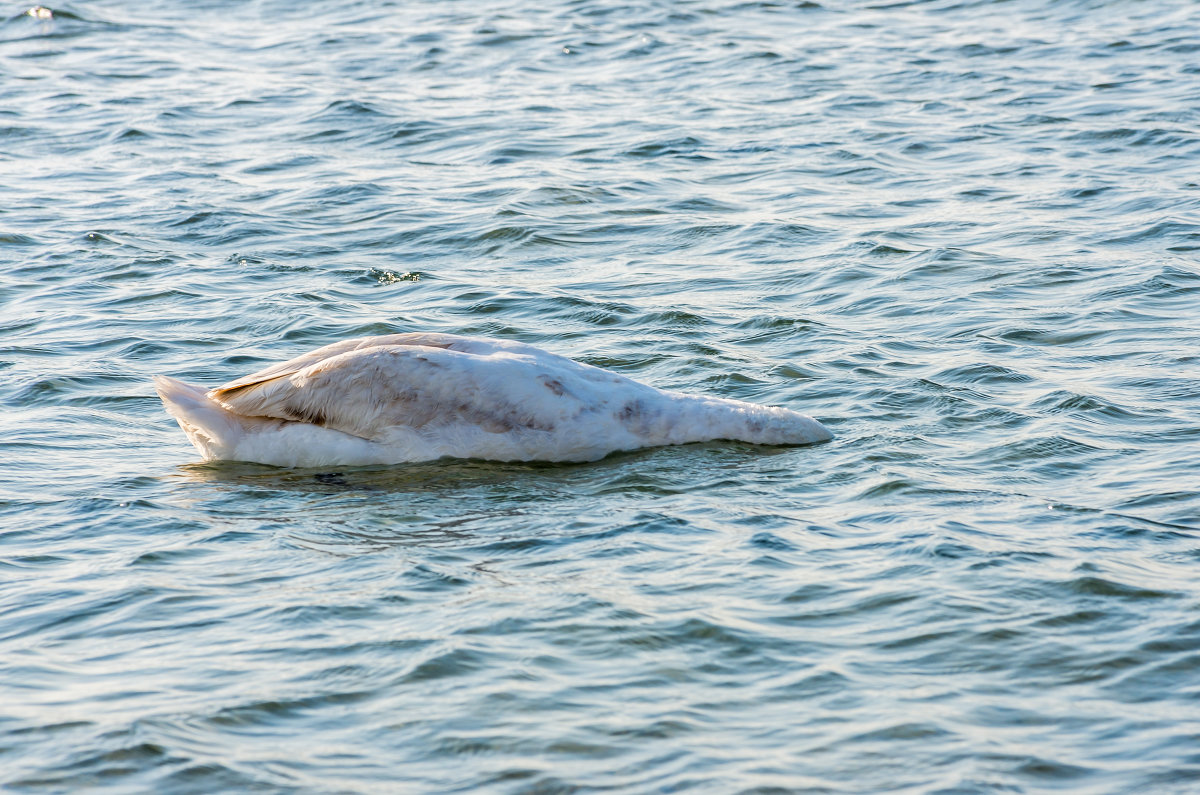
point(418, 397)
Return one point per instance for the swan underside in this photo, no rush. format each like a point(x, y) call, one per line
point(418, 397)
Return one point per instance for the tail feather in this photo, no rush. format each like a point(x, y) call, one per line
point(213, 430)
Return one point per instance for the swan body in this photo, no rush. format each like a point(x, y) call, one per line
point(417, 397)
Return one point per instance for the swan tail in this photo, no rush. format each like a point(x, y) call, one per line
point(214, 430)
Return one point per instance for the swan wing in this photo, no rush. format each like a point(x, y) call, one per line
point(299, 363)
point(366, 387)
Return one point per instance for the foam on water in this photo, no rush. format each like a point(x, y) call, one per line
point(963, 234)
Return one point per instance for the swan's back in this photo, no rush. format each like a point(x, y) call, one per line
point(412, 397)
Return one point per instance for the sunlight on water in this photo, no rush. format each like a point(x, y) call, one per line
point(962, 234)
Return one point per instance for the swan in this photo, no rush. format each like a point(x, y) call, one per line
point(422, 396)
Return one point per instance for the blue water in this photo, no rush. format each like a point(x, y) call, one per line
point(964, 235)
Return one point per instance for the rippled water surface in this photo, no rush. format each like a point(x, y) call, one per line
point(965, 235)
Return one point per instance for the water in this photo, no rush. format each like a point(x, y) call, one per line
point(963, 235)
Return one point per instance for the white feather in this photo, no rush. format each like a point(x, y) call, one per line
point(418, 397)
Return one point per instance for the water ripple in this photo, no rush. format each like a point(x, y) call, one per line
point(962, 233)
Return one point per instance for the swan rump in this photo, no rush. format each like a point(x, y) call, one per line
point(418, 397)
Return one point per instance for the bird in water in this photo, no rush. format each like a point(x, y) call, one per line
point(418, 397)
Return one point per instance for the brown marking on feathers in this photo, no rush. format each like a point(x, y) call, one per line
point(629, 412)
point(503, 420)
point(235, 389)
point(312, 416)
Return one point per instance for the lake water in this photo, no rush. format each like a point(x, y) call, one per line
point(964, 235)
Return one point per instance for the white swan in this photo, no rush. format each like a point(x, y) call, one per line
point(418, 397)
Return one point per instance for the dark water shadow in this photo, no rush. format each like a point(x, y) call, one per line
point(351, 510)
point(451, 476)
